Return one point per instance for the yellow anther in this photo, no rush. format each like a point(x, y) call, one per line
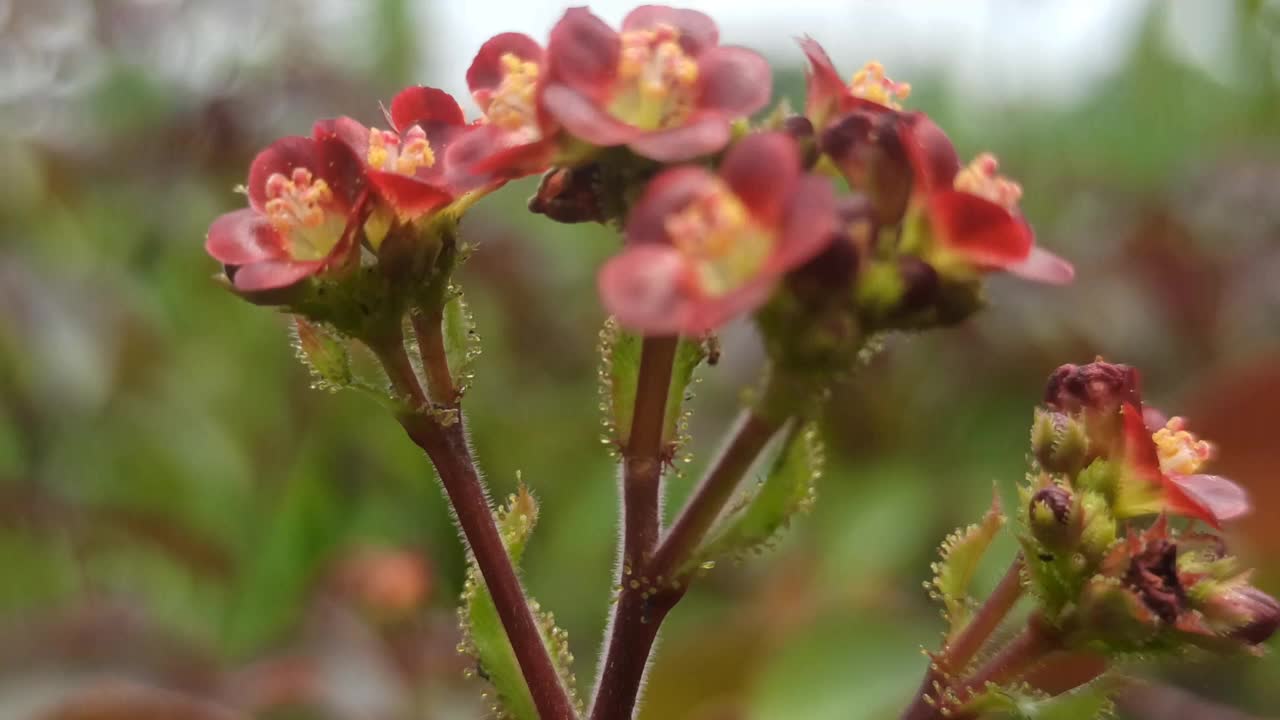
point(657, 78)
point(1180, 451)
point(718, 235)
point(399, 154)
point(513, 105)
point(870, 83)
point(296, 201)
point(982, 178)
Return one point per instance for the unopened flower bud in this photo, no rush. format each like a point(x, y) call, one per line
point(801, 130)
point(1098, 386)
point(1059, 442)
point(870, 155)
point(569, 195)
point(1258, 612)
point(1054, 518)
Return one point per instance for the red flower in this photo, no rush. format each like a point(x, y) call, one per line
point(973, 211)
point(306, 201)
point(516, 137)
point(1169, 460)
point(663, 87)
point(827, 95)
point(406, 165)
point(704, 248)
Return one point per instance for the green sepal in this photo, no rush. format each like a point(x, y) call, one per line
point(765, 512)
point(327, 356)
point(461, 343)
point(1087, 702)
point(620, 371)
point(961, 552)
point(483, 636)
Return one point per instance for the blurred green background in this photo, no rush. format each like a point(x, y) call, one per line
point(179, 510)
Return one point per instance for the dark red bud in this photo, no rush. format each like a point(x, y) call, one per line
point(1098, 386)
point(1265, 613)
point(870, 154)
point(1057, 500)
point(569, 195)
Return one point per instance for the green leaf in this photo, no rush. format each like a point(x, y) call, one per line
point(1086, 702)
point(764, 513)
point(962, 551)
point(485, 639)
point(461, 343)
point(324, 353)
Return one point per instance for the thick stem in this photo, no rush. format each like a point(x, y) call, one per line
point(749, 438)
point(435, 361)
point(634, 625)
point(447, 448)
point(957, 654)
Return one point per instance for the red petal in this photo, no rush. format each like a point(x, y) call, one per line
point(705, 314)
point(241, 237)
point(487, 152)
point(337, 164)
point(983, 232)
point(273, 274)
point(350, 131)
point(486, 71)
point(583, 118)
point(762, 170)
point(697, 31)
point(702, 134)
point(668, 193)
point(281, 156)
point(644, 288)
point(583, 53)
point(823, 81)
point(1043, 266)
point(933, 157)
point(810, 224)
point(424, 106)
point(1212, 498)
point(733, 81)
point(1140, 449)
point(410, 197)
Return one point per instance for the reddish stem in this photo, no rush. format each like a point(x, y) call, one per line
point(749, 438)
point(447, 448)
point(958, 654)
point(636, 618)
point(435, 361)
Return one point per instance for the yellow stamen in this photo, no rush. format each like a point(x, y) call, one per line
point(1180, 451)
point(870, 83)
point(658, 79)
point(717, 234)
point(513, 105)
point(296, 201)
point(982, 178)
point(404, 155)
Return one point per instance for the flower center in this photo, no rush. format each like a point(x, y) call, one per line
point(401, 154)
point(659, 80)
point(718, 236)
point(297, 208)
point(870, 83)
point(1180, 451)
point(513, 104)
point(982, 178)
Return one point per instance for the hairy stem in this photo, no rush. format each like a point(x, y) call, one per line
point(635, 621)
point(957, 654)
point(446, 446)
point(749, 438)
point(435, 363)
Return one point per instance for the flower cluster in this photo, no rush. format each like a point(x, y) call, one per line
point(1104, 461)
point(647, 125)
